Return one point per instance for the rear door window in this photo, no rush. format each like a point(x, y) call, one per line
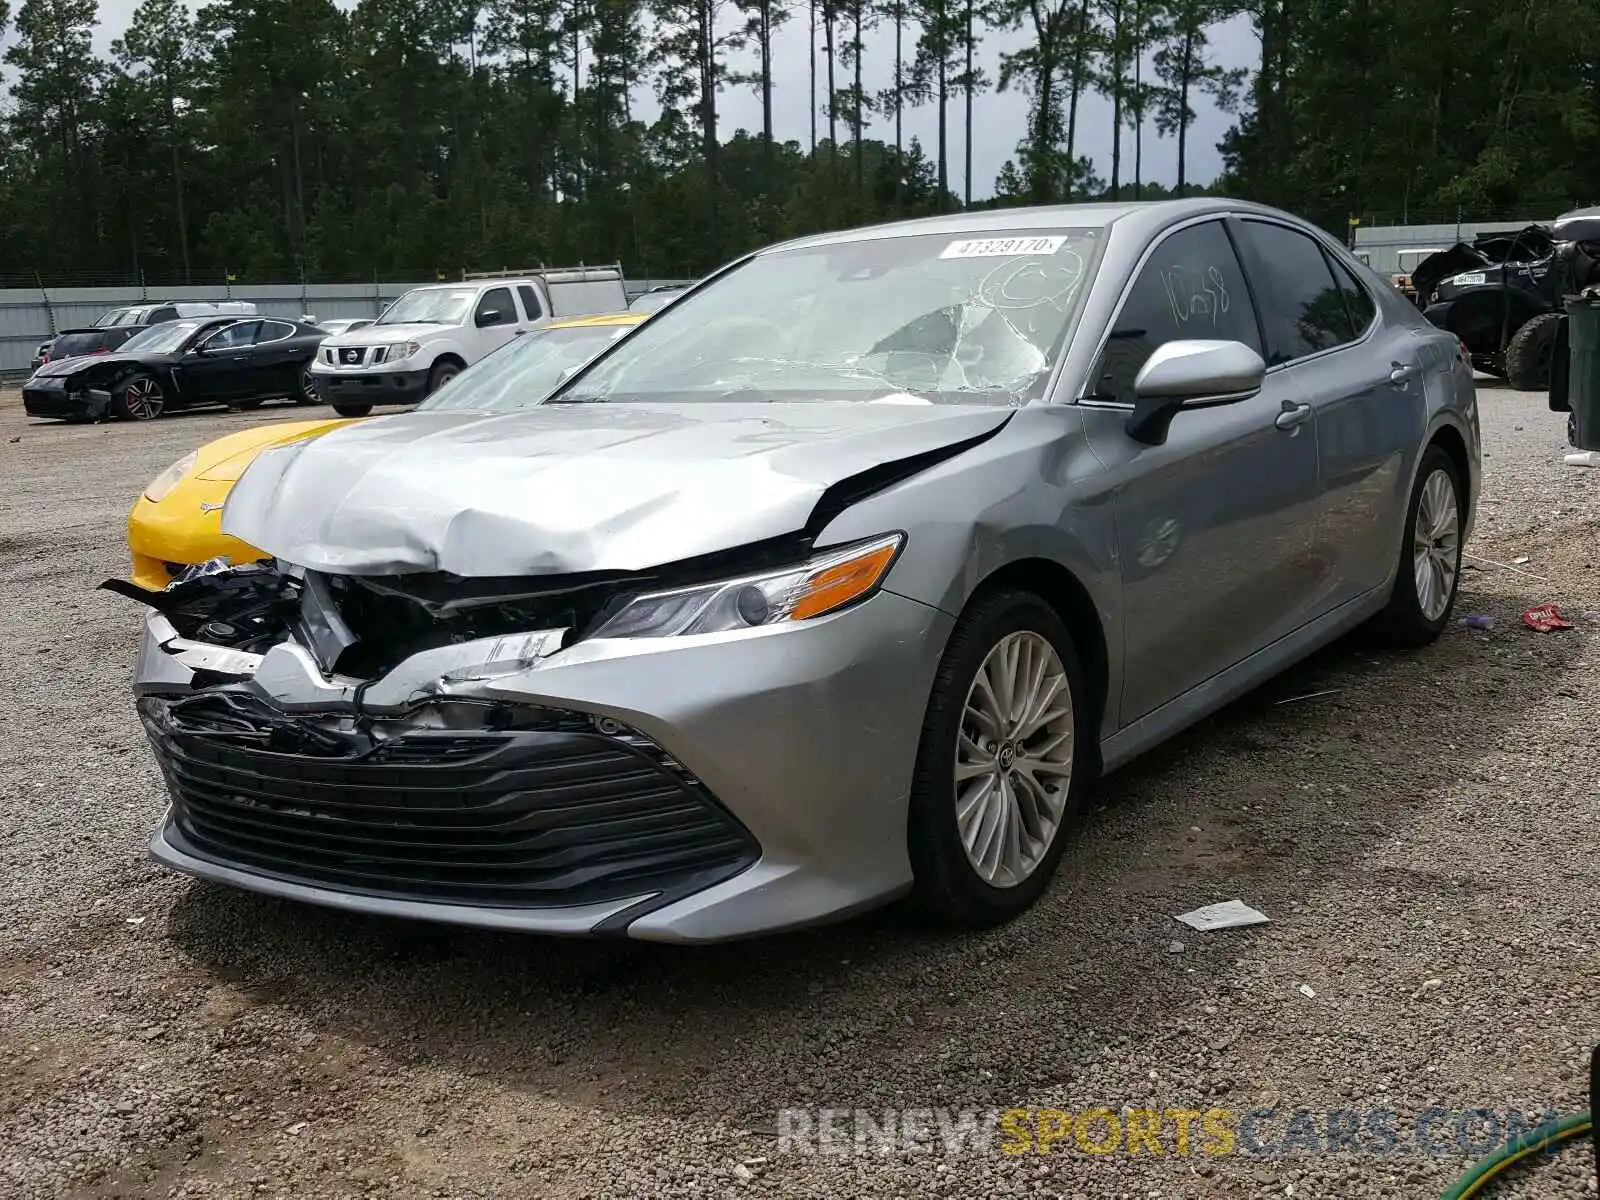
point(1191, 286)
point(165, 313)
point(273, 331)
point(530, 302)
point(1304, 307)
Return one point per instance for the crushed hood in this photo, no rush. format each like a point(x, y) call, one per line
point(59, 367)
point(560, 489)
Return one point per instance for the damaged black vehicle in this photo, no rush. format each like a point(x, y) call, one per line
point(1499, 294)
point(1577, 258)
point(181, 364)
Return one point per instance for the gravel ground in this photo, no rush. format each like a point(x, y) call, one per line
point(1424, 839)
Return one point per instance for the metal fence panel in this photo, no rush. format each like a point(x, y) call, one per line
point(29, 316)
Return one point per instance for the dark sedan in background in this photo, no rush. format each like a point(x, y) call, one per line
point(181, 364)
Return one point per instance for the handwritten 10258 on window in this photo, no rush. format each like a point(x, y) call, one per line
point(1198, 295)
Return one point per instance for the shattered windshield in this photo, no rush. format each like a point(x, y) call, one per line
point(932, 318)
point(161, 339)
point(429, 306)
point(526, 370)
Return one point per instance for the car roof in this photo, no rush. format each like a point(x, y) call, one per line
point(1000, 221)
point(614, 318)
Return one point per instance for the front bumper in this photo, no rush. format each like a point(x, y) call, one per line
point(804, 738)
point(371, 387)
point(51, 398)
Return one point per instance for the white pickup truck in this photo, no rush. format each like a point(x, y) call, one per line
point(431, 334)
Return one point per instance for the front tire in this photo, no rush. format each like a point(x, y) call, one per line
point(1429, 572)
point(442, 373)
point(1004, 756)
point(1531, 353)
point(140, 399)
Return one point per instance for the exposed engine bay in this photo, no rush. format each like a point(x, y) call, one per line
point(361, 628)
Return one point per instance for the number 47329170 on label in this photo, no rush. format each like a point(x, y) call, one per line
point(1002, 247)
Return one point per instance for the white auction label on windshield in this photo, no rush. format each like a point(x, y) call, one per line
point(1002, 247)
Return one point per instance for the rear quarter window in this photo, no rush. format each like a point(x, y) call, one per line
point(1358, 301)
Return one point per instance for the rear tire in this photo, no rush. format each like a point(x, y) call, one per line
point(1429, 572)
point(1531, 353)
point(305, 391)
point(956, 786)
point(352, 410)
point(140, 399)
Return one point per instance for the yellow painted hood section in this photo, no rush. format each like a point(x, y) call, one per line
point(225, 459)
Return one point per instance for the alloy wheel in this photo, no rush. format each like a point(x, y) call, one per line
point(142, 400)
point(1436, 544)
point(1014, 753)
point(308, 386)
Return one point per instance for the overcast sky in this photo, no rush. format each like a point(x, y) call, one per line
point(1000, 120)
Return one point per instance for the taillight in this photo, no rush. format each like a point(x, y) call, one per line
point(103, 350)
point(45, 357)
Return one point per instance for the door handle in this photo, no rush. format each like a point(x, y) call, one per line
point(1293, 415)
point(1401, 374)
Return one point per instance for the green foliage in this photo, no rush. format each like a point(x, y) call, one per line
point(274, 139)
point(1422, 110)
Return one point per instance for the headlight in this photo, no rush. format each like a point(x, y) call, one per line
point(399, 351)
point(168, 479)
point(828, 582)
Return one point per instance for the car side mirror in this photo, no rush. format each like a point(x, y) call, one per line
point(490, 316)
point(1191, 374)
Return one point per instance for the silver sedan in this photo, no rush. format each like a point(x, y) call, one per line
point(837, 581)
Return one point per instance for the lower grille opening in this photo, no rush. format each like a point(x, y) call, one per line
point(543, 810)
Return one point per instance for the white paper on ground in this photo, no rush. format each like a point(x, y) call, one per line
point(1230, 914)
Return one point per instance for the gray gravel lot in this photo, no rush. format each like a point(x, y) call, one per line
point(1425, 840)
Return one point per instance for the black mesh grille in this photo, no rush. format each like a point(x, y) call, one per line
point(520, 818)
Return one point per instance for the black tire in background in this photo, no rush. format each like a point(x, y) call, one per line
point(1531, 352)
point(305, 389)
point(946, 884)
point(1405, 622)
point(352, 410)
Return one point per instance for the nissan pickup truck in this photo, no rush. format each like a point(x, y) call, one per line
point(431, 334)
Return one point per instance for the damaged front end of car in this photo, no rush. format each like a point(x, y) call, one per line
point(568, 692)
point(349, 734)
point(81, 395)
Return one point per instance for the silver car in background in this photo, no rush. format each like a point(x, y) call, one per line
point(840, 579)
